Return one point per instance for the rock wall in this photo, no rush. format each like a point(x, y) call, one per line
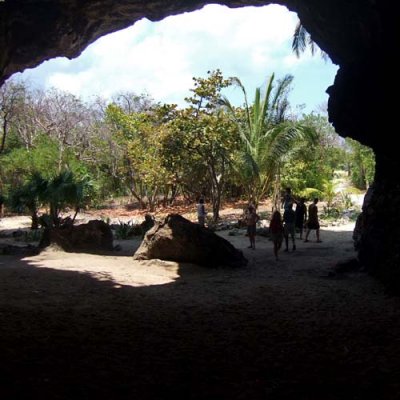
point(361, 36)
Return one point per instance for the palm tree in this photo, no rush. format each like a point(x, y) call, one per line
point(266, 135)
point(62, 191)
point(30, 196)
point(58, 193)
point(302, 40)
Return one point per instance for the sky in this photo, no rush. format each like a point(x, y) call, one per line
point(161, 58)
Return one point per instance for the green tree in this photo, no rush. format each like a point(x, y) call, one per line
point(29, 196)
point(61, 191)
point(11, 96)
point(314, 159)
point(206, 136)
point(138, 137)
point(64, 190)
point(266, 136)
point(362, 164)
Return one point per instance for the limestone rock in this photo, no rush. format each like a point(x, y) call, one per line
point(93, 237)
point(178, 239)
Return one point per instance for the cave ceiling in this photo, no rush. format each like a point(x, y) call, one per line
point(34, 31)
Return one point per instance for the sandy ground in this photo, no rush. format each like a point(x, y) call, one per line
point(82, 326)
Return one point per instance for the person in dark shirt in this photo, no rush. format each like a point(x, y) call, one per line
point(289, 218)
point(288, 199)
point(301, 215)
point(313, 222)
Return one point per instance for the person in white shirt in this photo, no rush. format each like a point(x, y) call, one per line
point(201, 212)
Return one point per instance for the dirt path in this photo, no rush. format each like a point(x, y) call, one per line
point(80, 326)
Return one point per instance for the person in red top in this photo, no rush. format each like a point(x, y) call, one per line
point(276, 231)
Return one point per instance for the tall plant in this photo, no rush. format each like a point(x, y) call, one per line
point(30, 196)
point(64, 190)
point(206, 136)
point(266, 135)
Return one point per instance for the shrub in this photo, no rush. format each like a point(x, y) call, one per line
point(309, 193)
point(123, 230)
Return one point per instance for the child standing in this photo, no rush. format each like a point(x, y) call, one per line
point(276, 231)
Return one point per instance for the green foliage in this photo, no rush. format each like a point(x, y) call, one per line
point(29, 196)
point(207, 91)
point(361, 164)
point(150, 151)
point(139, 138)
point(204, 140)
point(353, 190)
point(123, 230)
point(266, 134)
point(265, 215)
point(46, 221)
point(309, 193)
point(329, 193)
point(346, 200)
point(314, 158)
point(331, 214)
point(302, 41)
point(33, 235)
point(105, 219)
point(59, 192)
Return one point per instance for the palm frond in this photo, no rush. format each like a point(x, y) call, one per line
point(302, 40)
point(299, 40)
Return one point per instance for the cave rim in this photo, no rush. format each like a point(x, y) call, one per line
point(298, 106)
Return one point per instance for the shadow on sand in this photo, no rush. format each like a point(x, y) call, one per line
point(272, 330)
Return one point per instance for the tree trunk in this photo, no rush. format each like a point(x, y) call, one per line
point(216, 192)
point(3, 139)
point(35, 220)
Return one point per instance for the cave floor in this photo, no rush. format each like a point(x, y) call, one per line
point(80, 326)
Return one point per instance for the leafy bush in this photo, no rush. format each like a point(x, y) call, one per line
point(125, 230)
point(310, 193)
point(353, 190)
point(33, 235)
point(264, 215)
point(346, 200)
point(331, 213)
point(105, 219)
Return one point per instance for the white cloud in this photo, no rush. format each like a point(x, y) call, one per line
point(161, 58)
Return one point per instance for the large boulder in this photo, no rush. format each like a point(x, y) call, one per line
point(94, 237)
point(178, 239)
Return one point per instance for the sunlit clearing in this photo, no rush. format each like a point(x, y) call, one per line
point(121, 271)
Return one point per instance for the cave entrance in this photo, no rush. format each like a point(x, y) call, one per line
point(161, 58)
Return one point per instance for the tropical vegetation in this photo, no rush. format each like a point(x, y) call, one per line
point(57, 151)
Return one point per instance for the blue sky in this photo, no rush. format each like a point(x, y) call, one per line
point(160, 58)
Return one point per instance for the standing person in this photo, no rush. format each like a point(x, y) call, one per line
point(201, 212)
point(301, 215)
point(288, 198)
point(289, 217)
point(276, 231)
point(251, 220)
point(313, 222)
